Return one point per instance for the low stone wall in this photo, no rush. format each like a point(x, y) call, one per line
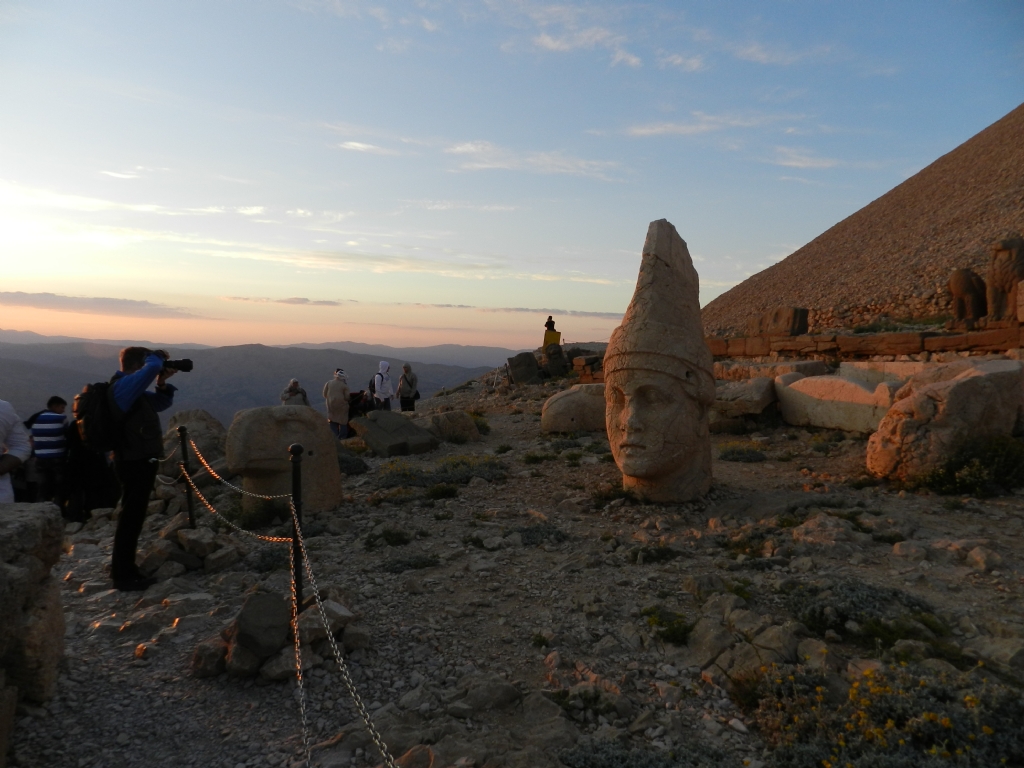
point(31, 615)
point(866, 345)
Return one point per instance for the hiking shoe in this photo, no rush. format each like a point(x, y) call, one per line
point(134, 584)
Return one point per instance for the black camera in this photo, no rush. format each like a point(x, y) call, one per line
point(185, 365)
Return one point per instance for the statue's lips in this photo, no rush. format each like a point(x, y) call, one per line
point(629, 448)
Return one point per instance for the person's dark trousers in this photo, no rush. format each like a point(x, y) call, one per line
point(52, 471)
point(408, 403)
point(382, 405)
point(340, 430)
point(137, 479)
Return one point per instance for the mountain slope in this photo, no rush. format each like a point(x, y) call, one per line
point(895, 255)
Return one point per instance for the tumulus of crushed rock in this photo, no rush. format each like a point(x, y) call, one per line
point(892, 258)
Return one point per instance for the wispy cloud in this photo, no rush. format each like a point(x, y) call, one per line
point(483, 155)
point(685, 63)
point(452, 205)
point(372, 149)
point(703, 123)
point(792, 157)
point(93, 305)
point(251, 210)
point(550, 311)
point(117, 175)
point(571, 41)
point(471, 307)
point(623, 56)
point(759, 53)
point(294, 300)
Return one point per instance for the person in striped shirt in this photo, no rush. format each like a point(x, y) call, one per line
point(47, 430)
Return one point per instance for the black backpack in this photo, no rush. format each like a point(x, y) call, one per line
point(372, 386)
point(97, 425)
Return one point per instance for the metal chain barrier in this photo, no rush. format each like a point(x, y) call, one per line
point(169, 482)
point(378, 740)
point(215, 476)
point(346, 677)
point(169, 456)
point(298, 659)
point(227, 522)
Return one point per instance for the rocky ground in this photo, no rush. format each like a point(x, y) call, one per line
point(540, 618)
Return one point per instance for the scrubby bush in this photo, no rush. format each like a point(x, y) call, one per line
point(503, 448)
point(392, 537)
point(980, 468)
point(900, 717)
point(537, 458)
point(260, 513)
point(481, 423)
point(451, 470)
point(669, 626)
point(442, 491)
point(535, 535)
point(736, 453)
point(611, 754)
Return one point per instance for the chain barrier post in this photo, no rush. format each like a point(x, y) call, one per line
point(296, 458)
point(183, 438)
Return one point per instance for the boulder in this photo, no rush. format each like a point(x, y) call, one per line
point(388, 433)
point(577, 409)
point(736, 371)
point(257, 449)
point(223, 558)
point(40, 646)
point(240, 661)
point(263, 623)
point(455, 427)
point(554, 361)
point(31, 617)
point(742, 398)
point(197, 541)
point(208, 433)
point(208, 657)
point(523, 369)
point(933, 417)
point(833, 402)
point(1004, 653)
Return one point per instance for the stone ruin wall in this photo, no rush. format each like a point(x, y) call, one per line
point(31, 614)
point(926, 304)
point(920, 346)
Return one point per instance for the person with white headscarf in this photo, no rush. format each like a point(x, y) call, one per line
point(336, 393)
point(382, 390)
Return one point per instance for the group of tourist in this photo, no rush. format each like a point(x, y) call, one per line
point(342, 402)
point(81, 467)
point(116, 458)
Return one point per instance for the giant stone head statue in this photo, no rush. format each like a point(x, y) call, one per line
point(658, 380)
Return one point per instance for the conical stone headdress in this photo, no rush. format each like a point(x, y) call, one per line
point(662, 329)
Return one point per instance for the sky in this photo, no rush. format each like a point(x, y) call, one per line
point(416, 173)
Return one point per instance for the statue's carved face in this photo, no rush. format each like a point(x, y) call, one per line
point(653, 423)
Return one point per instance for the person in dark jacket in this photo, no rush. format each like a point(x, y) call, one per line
point(136, 459)
point(408, 388)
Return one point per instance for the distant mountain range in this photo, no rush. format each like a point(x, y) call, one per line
point(225, 379)
point(443, 354)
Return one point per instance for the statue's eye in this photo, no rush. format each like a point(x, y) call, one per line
point(652, 396)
